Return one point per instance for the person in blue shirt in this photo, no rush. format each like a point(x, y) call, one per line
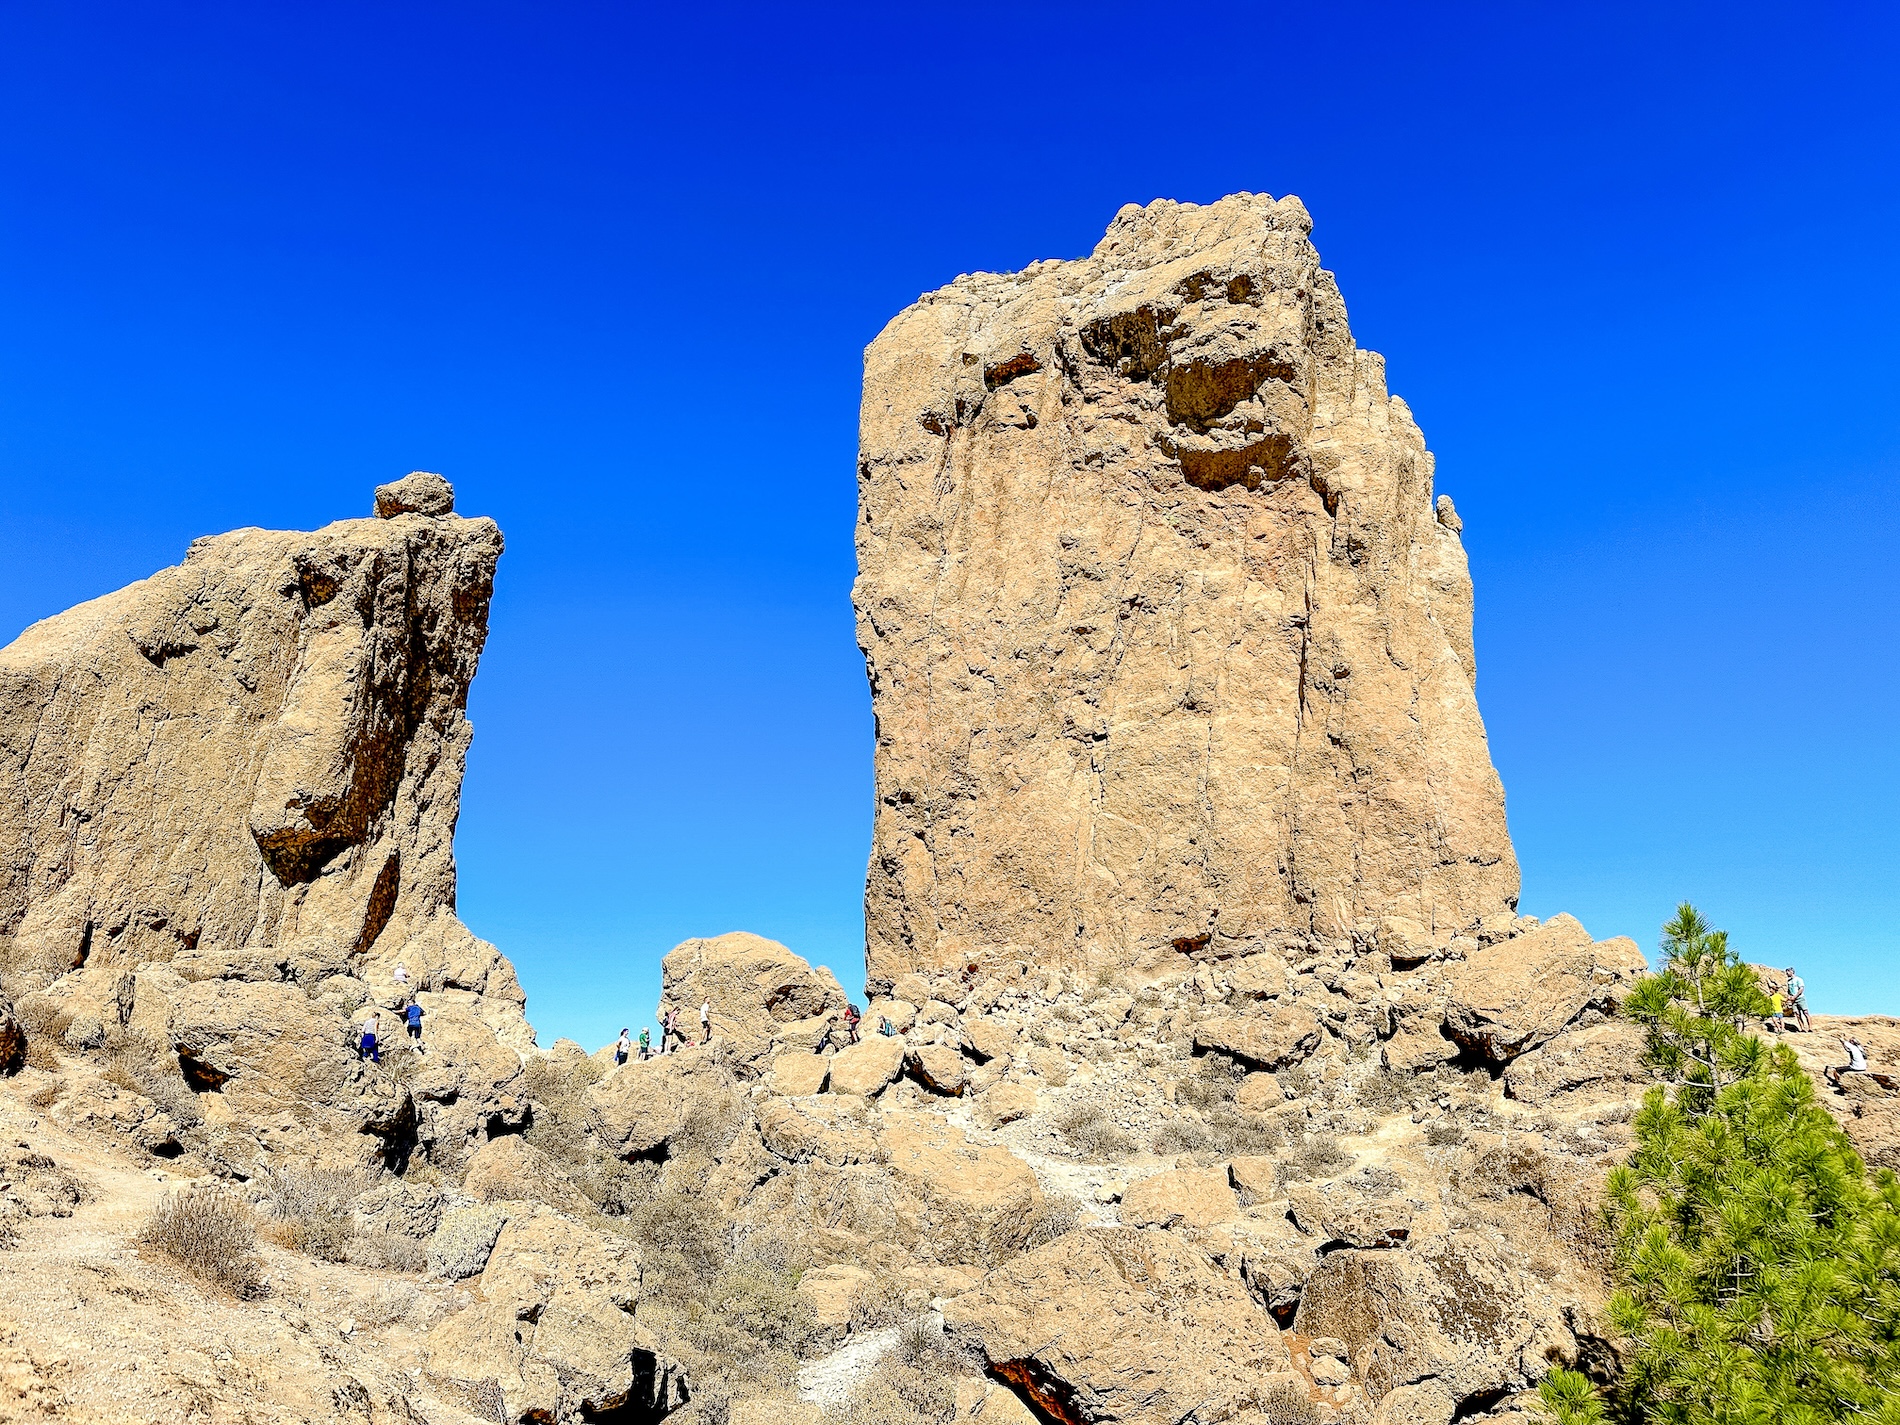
point(413, 1017)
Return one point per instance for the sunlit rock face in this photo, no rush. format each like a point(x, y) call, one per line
point(1169, 648)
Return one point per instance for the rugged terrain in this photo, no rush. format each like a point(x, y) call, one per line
point(1207, 1072)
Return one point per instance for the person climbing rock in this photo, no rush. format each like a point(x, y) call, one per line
point(622, 1047)
point(705, 1022)
point(412, 1016)
point(366, 1045)
point(851, 1018)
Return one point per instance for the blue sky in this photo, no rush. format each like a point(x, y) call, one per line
point(611, 268)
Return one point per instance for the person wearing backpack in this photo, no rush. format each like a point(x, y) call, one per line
point(1797, 992)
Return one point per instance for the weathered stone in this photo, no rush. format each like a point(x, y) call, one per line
point(1165, 470)
point(797, 1074)
point(756, 986)
point(511, 1168)
point(1180, 1197)
point(1119, 1324)
point(265, 746)
point(1512, 996)
point(938, 1068)
point(1602, 1064)
point(420, 492)
point(1274, 1040)
point(1005, 1103)
point(1451, 1310)
point(868, 1066)
point(1258, 1093)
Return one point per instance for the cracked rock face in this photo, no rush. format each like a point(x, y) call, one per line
point(228, 797)
point(1169, 648)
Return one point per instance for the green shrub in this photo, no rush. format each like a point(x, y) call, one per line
point(1758, 1263)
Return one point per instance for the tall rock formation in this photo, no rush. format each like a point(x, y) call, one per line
point(1169, 649)
point(228, 797)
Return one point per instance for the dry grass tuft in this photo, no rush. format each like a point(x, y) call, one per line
point(1089, 1133)
point(210, 1233)
point(311, 1208)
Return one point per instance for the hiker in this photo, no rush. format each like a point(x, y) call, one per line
point(823, 1041)
point(413, 1016)
point(705, 1022)
point(1856, 1061)
point(646, 1044)
point(670, 1030)
point(885, 1027)
point(401, 976)
point(1774, 1021)
point(366, 1046)
point(851, 1018)
point(1797, 992)
point(622, 1046)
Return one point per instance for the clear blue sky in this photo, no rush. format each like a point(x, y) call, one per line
point(611, 269)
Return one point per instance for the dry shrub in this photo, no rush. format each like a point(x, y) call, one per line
point(1384, 1093)
point(210, 1233)
point(311, 1208)
point(914, 1385)
point(1444, 1133)
point(1181, 1135)
point(147, 1070)
point(1296, 1081)
point(1311, 1155)
point(1284, 1403)
point(557, 1087)
point(389, 1252)
point(1216, 1082)
point(47, 1094)
point(882, 1301)
point(1089, 1133)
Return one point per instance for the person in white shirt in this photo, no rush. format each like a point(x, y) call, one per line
point(705, 1022)
point(366, 1046)
point(622, 1047)
point(1856, 1061)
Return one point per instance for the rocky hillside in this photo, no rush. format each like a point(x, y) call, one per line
point(1206, 1075)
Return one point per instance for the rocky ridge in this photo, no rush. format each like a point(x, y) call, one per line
point(1304, 1124)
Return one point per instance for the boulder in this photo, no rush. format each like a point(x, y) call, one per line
point(938, 1067)
point(1583, 1068)
point(868, 1066)
point(756, 986)
point(420, 492)
point(1119, 1324)
point(636, 1110)
point(1005, 1103)
point(1510, 997)
point(1342, 1214)
point(795, 1074)
point(991, 1038)
point(1181, 1197)
point(831, 1292)
point(1417, 1045)
point(1258, 1093)
point(553, 1325)
point(12, 1040)
point(964, 1201)
point(512, 1169)
point(1166, 468)
point(1277, 1039)
point(1452, 1310)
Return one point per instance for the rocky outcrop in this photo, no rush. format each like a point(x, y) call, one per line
point(1169, 647)
point(228, 797)
point(762, 995)
point(1511, 997)
point(1120, 1324)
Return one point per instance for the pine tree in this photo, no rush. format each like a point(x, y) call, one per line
point(1758, 1262)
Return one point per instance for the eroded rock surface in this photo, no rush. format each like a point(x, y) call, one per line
point(1169, 648)
point(228, 797)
